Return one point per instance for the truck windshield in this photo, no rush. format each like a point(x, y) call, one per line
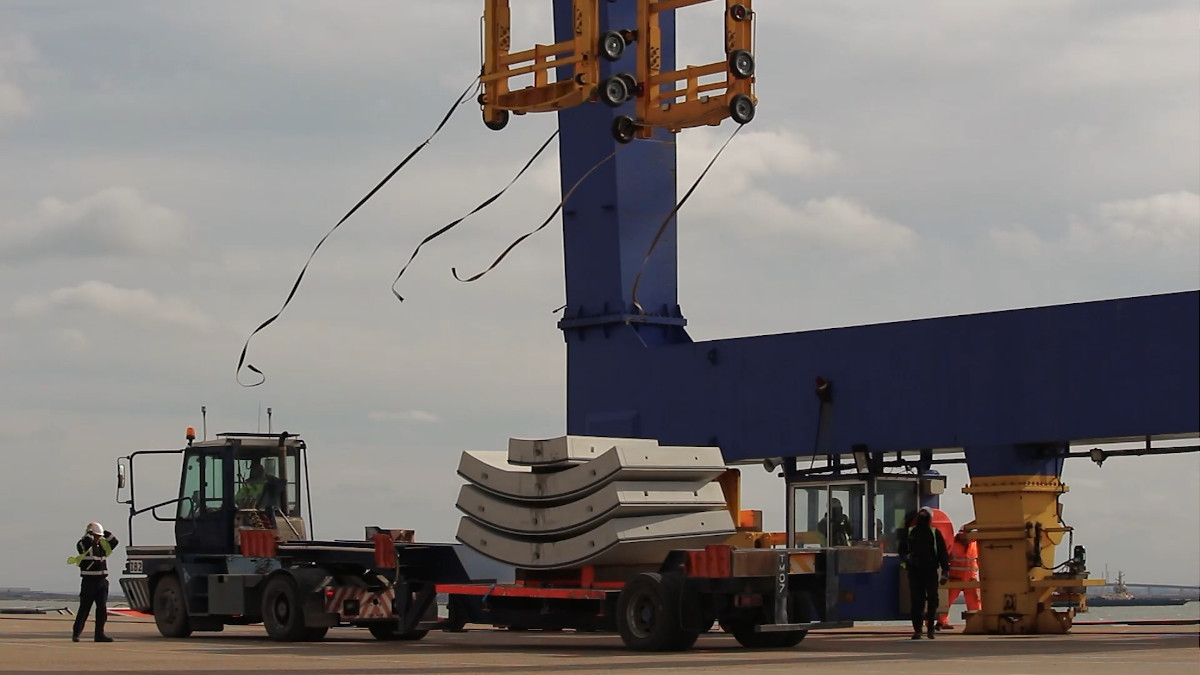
point(267, 479)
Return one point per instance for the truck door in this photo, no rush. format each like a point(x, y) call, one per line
point(205, 519)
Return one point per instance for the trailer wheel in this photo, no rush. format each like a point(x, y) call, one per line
point(170, 610)
point(283, 615)
point(389, 632)
point(648, 614)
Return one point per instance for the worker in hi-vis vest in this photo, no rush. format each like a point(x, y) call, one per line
point(94, 548)
point(922, 553)
point(964, 566)
point(249, 495)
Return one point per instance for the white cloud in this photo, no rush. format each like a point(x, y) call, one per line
point(848, 224)
point(13, 103)
point(1125, 50)
point(115, 221)
point(1162, 224)
point(73, 340)
point(755, 154)
point(421, 416)
point(15, 50)
point(106, 299)
point(1166, 222)
point(1019, 242)
point(745, 187)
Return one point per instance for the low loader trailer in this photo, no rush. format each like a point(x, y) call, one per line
point(242, 556)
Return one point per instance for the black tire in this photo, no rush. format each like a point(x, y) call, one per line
point(282, 610)
point(612, 45)
point(798, 611)
point(614, 91)
point(315, 634)
point(741, 64)
point(497, 125)
point(624, 129)
point(741, 109)
point(630, 83)
point(389, 632)
point(648, 614)
point(170, 609)
point(747, 637)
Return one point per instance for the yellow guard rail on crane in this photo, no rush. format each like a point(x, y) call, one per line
point(672, 100)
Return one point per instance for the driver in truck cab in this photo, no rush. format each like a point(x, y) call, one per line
point(251, 491)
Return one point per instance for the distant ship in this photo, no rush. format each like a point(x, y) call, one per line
point(1121, 597)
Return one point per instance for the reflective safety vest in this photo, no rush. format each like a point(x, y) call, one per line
point(93, 559)
point(964, 561)
point(249, 493)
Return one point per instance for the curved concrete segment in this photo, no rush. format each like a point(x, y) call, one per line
point(569, 449)
point(615, 500)
point(491, 471)
point(642, 540)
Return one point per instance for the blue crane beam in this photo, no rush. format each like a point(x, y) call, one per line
point(993, 383)
point(1094, 370)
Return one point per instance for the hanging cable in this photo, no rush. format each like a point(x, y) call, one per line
point(539, 228)
point(463, 98)
point(487, 202)
point(670, 216)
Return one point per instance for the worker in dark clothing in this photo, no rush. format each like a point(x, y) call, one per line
point(94, 548)
point(922, 553)
point(837, 528)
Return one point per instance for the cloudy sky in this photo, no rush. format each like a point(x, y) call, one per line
point(168, 167)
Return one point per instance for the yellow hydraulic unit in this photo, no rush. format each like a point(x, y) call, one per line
point(583, 53)
point(677, 99)
point(1018, 524)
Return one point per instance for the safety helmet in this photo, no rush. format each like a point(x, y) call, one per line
point(95, 528)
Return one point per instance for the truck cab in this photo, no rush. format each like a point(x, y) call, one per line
point(243, 551)
point(236, 483)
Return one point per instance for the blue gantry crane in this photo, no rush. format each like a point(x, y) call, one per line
point(1009, 391)
point(880, 406)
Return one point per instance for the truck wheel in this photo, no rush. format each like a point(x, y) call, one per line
point(283, 615)
point(389, 632)
point(170, 610)
point(315, 634)
point(648, 614)
point(747, 637)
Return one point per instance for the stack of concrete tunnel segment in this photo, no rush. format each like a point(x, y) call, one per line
point(585, 500)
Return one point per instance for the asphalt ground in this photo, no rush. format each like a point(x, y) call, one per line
point(42, 644)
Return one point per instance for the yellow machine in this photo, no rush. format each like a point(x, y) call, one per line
point(582, 53)
point(677, 99)
point(673, 100)
point(1018, 524)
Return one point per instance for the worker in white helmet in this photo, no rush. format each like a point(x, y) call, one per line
point(94, 548)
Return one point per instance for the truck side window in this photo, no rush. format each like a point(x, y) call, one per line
point(189, 489)
point(214, 483)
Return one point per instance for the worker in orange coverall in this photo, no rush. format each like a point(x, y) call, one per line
point(964, 566)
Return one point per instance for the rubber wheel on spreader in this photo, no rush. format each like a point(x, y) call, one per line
point(741, 109)
point(741, 64)
point(612, 45)
point(497, 125)
point(624, 129)
point(614, 91)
